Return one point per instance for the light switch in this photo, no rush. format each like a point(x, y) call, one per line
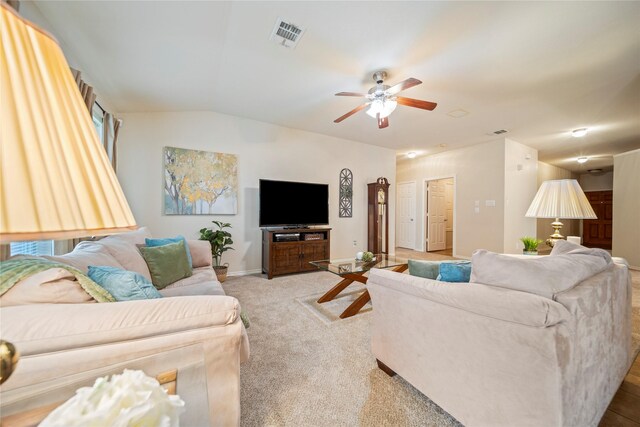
point(477, 209)
point(477, 202)
point(491, 203)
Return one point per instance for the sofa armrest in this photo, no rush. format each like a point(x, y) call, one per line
point(45, 328)
point(488, 301)
point(200, 253)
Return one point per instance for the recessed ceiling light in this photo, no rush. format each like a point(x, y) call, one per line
point(458, 113)
point(411, 154)
point(577, 133)
point(595, 170)
point(582, 159)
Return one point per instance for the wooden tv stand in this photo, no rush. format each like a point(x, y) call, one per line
point(280, 256)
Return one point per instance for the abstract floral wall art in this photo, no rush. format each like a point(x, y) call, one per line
point(200, 182)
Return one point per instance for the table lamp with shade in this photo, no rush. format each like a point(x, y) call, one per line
point(56, 181)
point(561, 198)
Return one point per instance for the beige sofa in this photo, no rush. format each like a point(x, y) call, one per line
point(67, 340)
point(494, 356)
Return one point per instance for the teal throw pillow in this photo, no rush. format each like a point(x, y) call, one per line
point(122, 284)
point(426, 269)
point(456, 271)
point(167, 264)
point(167, 240)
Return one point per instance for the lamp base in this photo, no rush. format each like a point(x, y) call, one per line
point(556, 225)
point(8, 360)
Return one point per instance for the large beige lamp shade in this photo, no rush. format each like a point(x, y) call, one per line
point(562, 198)
point(56, 181)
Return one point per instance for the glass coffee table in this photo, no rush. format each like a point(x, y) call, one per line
point(354, 271)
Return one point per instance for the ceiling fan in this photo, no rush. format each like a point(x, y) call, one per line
point(382, 99)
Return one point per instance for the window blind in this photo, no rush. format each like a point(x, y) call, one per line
point(40, 247)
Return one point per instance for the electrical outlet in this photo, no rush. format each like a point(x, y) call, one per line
point(355, 243)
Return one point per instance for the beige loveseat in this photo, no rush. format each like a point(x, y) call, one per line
point(78, 336)
point(494, 356)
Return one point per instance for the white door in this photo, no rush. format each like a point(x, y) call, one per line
point(448, 185)
point(406, 213)
point(436, 216)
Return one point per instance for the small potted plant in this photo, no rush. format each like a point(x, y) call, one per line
point(530, 245)
point(220, 240)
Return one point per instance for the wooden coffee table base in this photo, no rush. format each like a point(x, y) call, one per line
point(360, 302)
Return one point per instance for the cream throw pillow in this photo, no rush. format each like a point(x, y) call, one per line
point(86, 254)
point(545, 276)
point(200, 253)
point(52, 286)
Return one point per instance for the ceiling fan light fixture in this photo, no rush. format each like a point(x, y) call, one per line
point(384, 108)
point(577, 133)
point(382, 100)
point(374, 108)
point(389, 106)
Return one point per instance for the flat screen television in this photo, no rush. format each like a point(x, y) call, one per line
point(289, 204)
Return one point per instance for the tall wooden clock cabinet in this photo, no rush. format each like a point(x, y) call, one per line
point(378, 216)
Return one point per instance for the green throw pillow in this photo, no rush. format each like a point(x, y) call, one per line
point(160, 242)
point(426, 269)
point(167, 263)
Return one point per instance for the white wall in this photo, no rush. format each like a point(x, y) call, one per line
point(626, 207)
point(479, 175)
point(600, 182)
point(29, 10)
point(486, 177)
point(520, 187)
point(264, 151)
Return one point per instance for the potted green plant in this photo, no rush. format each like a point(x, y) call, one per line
point(220, 240)
point(530, 245)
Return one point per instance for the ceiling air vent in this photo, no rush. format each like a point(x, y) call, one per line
point(286, 34)
point(501, 131)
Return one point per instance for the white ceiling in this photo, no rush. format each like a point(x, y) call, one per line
point(537, 69)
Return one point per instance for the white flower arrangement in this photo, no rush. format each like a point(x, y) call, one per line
point(126, 400)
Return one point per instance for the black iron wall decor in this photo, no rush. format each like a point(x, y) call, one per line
point(346, 193)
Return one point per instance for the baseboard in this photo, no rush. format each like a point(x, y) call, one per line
point(245, 272)
point(633, 267)
point(461, 257)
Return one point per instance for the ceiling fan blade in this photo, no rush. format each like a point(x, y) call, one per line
point(350, 94)
point(382, 122)
point(406, 84)
point(417, 103)
point(351, 113)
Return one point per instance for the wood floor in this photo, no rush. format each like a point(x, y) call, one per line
point(411, 254)
point(444, 252)
point(624, 410)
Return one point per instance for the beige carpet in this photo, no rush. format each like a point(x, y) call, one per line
point(307, 368)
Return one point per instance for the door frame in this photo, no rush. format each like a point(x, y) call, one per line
point(423, 214)
point(415, 208)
